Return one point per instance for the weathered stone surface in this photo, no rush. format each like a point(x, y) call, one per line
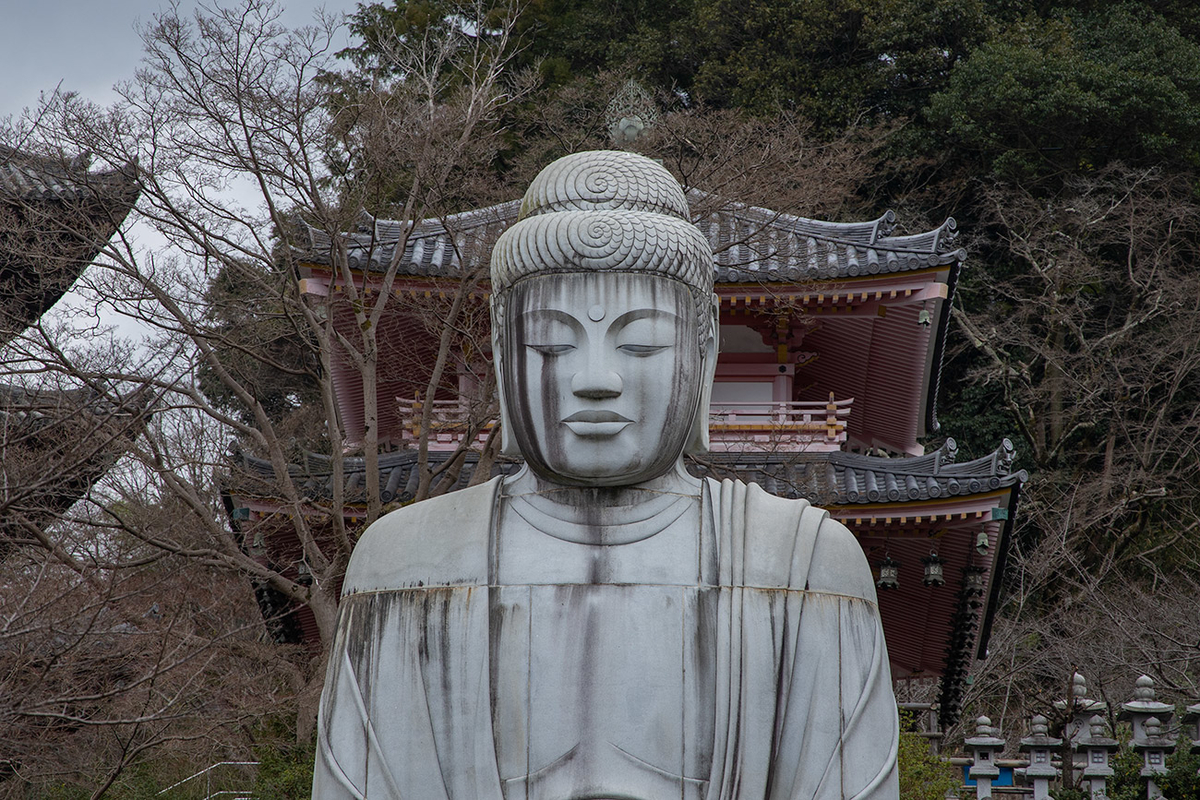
point(601, 624)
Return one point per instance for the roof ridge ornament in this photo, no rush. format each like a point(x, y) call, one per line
point(630, 113)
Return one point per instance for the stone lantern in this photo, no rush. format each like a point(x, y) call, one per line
point(985, 746)
point(1039, 745)
point(1148, 717)
point(1144, 706)
point(1081, 708)
point(1154, 747)
point(1097, 748)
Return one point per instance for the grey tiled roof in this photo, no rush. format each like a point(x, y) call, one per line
point(834, 478)
point(55, 216)
point(27, 176)
point(751, 244)
point(57, 444)
point(869, 479)
point(398, 475)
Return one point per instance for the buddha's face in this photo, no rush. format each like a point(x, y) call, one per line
point(602, 374)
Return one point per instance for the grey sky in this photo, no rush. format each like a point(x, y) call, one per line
point(88, 45)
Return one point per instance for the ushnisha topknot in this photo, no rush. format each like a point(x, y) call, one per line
point(603, 211)
point(604, 180)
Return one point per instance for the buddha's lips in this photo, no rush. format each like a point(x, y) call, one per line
point(596, 416)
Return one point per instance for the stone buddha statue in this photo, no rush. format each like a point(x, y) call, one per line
point(602, 625)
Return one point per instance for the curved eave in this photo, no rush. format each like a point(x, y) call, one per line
point(750, 244)
point(866, 480)
point(58, 218)
point(1001, 564)
point(933, 374)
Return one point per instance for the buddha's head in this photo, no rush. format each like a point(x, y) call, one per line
point(604, 323)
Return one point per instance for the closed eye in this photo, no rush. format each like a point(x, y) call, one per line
point(642, 349)
point(551, 349)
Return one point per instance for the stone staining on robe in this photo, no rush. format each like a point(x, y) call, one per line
point(602, 625)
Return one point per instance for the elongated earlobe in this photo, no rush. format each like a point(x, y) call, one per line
point(508, 442)
point(698, 439)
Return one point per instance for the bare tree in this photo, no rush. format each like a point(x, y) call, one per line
point(1086, 328)
point(241, 139)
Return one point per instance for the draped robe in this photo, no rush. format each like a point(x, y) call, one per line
point(799, 704)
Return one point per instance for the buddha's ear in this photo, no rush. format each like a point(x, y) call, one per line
point(710, 346)
point(508, 442)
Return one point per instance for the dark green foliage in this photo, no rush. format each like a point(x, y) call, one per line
point(973, 414)
point(285, 770)
point(923, 776)
point(582, 37)
point(833, 61)
point(1183, 782)
point(1028, 89)
point(1051, 96)
point(267, 348)
point(1126, 783)
point(376, 26)
point(1069, 794)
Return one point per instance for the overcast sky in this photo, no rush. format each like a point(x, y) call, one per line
point(88, 45)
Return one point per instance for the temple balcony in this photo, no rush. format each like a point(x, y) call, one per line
point(450, 423)
point(788, 427)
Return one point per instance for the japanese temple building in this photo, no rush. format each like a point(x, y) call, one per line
point(55, 216)
point(832, 338)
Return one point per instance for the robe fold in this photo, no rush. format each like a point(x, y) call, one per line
point(803, 704)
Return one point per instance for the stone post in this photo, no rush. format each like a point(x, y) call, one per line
point(1154, 747)
point(1080, 709)
point(1097, 748)
point(985, 746)
point(1039, 744)
point(1149, 716)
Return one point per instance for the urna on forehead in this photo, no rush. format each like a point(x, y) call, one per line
point(603, 211)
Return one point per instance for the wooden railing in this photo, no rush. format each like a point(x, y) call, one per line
point(790, 426)
point(447, 423)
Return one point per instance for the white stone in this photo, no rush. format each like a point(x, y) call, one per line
point(603, 625)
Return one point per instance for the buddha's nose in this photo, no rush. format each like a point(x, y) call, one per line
point(596, 384)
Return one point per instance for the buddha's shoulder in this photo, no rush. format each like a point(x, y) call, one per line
point(441, 541)
point(785, 529)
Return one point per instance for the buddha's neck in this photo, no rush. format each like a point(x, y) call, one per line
point(602, 514)
point(676, 482)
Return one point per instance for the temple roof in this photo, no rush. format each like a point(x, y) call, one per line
point(56, 445)
point(867, 479)
point(55, 216)
point(751, 244)
point(830, 478)
point(27, 176)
